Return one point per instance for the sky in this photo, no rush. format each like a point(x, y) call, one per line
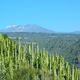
point(56, 15)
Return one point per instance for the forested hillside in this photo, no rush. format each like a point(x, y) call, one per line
point(27, 61)
point(62, 44)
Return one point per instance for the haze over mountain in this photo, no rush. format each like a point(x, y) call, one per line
point(26, 28)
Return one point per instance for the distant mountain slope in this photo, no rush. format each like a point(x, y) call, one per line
point(76, 32)
point(26, 28)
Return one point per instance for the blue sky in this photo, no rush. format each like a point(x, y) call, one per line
point(56, 15)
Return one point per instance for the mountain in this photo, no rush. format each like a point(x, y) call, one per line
point(76, 32)
point(26, 28)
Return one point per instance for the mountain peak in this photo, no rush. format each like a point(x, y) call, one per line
point(26, 28)
point(11, 26)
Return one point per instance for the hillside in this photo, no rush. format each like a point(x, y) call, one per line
point(29, 62)
point(63, 44)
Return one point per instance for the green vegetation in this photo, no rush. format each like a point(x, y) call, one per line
point(26, 61)
point(79, 73)
point(67, 45)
